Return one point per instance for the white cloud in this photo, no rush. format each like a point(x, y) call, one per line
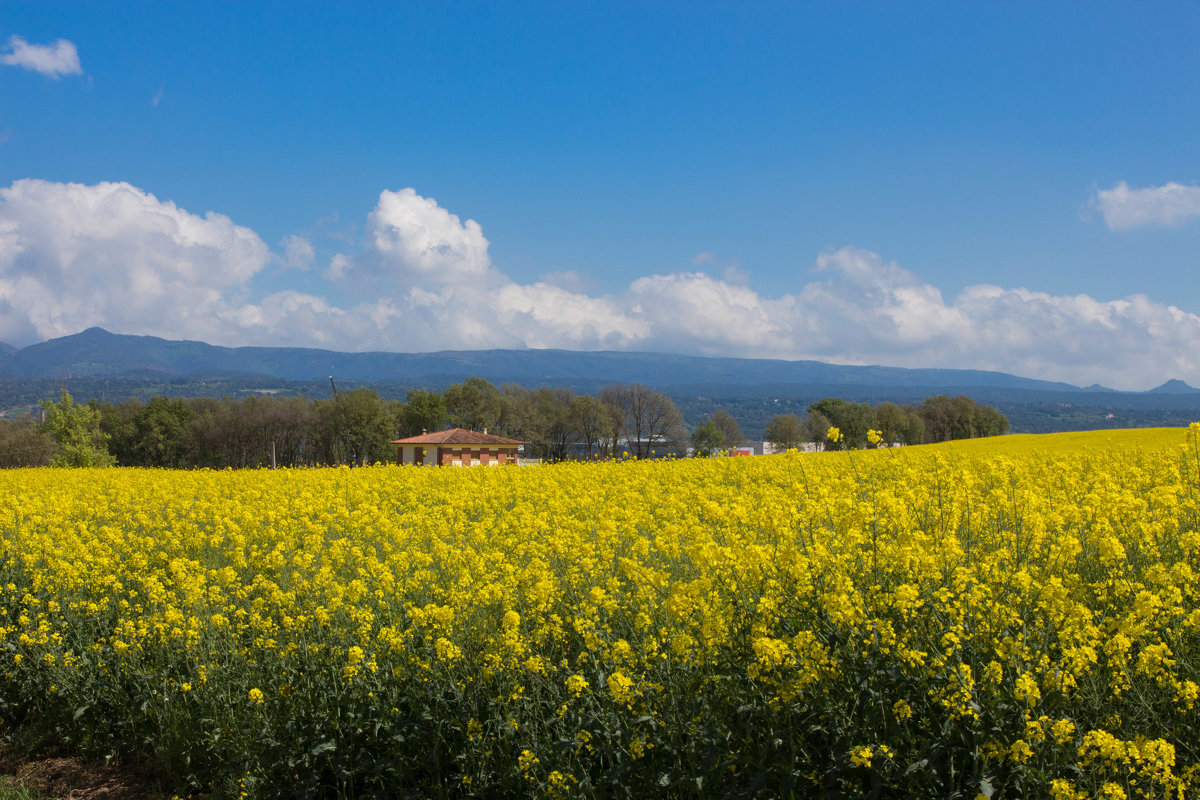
point(298, 252)
point(411, 240)
point(339, 265)
point(113, 255)
point(542, 315)
point(51, 60)
point(693, 311)
point(1171, 204)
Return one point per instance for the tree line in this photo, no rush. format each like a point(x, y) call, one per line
point(356, 427)
point(937, 419)
point(352, 427)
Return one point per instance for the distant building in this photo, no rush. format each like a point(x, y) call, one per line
point(457, 447)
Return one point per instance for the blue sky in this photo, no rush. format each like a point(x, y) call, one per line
point(1010, 186)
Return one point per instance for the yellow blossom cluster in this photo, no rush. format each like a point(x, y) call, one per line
point(848, 617)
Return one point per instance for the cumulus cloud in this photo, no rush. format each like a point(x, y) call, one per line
point(1171, 204)
point(51, 60)
point(113, 255)
point(298, 252)
point(72, 256)
point(410, 239)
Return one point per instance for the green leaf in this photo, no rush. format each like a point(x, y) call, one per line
point(324, 747)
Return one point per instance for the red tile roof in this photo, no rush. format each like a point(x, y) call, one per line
point(457, 436)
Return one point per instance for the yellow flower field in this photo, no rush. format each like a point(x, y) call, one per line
point(1012, 617)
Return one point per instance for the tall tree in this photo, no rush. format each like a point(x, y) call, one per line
point(890, 420)
point(816, 426)
point(707, 438)
point(473, 404)
point(616, 399)
point(161, 432)
point(551, 432)
point(75, 430)
point(852, 419)
point(654, 421)
point(424, 412)
point(728, 426)
point(590, 421)
point(289, 426)
point(22, 445)
point(989, 422)
point(355, 428)
point(785, 431)
point(118, 421)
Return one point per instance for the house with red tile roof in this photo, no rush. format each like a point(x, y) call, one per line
point(457, 447)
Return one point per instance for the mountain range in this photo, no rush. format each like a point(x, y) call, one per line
point(97, 353)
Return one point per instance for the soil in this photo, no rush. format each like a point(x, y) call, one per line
point(73, 779)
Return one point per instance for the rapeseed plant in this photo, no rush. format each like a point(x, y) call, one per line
point(1017, 615)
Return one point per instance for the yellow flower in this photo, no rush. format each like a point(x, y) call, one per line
point(1026, 689)
point(256, 696)
point(1019, 752)
point(861, 756)
point(621, 687)
point(527, 761)
point(1063, 731)
point(576, 684)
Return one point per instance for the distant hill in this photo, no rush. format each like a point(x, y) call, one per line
point(96, 364)
point(96, 353)
point(1174, 386)
point(6, 349)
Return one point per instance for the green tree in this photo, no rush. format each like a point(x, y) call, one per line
point(473, 404)
point(816, 426)
point(424, 412)
point(852, 419)
point(914, 427)
point(355, 428)
point(728, 426)
point(117, 421)
point(291, 423)
point(890, 420)
point(959, 417)
point(76, 432)
point(550, 430)
point(22, 445)
point(990, 422)
point(161, 432)
point(785, 431)
point(590, 421)
point(707, 438)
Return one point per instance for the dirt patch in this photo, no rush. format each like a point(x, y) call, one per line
point(72, 779)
